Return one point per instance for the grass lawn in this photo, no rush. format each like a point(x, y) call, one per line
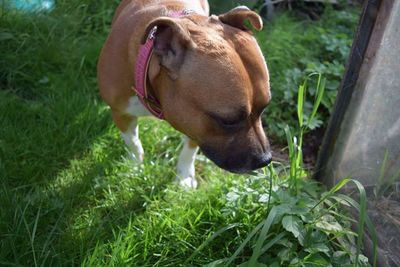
point(68, 195)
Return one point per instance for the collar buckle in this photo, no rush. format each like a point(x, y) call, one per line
point(152, 34)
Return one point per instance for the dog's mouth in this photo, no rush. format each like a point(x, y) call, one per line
point(239, 163)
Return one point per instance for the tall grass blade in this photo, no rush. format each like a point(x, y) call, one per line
point(244, 243)
point(262, 237)
point(382, 171)
point(368, 222)
point(383, 185)
point(392, 180)
point(319, 94)
point(336, 188)
point(33, 233)
point(271, 171)
point(362, 216)
point(289, 139)
point(272, 242)
point(362, 209)
point(210, 239)
point(292, 152)
point(300, 104)
point(91, 260)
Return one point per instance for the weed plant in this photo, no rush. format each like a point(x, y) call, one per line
point(304, 225)
point(70, 197)
point(386, 182)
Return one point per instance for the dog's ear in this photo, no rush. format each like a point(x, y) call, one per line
point(237, 17)
point(171, 41)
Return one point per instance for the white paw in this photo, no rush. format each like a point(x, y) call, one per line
point(137, 153)
point(187, 183)
point(135, 148)
point(136, 158)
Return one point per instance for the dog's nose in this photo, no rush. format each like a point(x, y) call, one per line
point(238, 162)
point(262, 160)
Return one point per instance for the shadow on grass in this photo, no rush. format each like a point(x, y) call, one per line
point(60, 190)
point(60, 158)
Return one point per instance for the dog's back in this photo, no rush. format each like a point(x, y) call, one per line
point(200, 6)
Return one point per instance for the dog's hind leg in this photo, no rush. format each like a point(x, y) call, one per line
point(185, 168)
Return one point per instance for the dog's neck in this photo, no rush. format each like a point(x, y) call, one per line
point(147, 97)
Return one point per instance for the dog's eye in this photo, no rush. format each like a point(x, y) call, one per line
point(230, 123)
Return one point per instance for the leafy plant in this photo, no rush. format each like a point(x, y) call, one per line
point(304, 225)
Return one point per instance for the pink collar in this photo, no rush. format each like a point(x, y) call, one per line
point(150, 102)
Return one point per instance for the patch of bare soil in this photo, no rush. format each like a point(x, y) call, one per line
point(311, 145)
point(385, 214)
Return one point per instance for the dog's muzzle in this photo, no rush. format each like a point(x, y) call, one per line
point(238, 162)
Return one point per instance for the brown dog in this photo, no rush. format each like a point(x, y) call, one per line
point(207, 77)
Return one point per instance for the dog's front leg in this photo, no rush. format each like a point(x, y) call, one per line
point(132, 141)
point(128, 125)
point(185, 168)
point(127, 122)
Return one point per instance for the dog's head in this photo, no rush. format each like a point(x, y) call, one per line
point(213, 85)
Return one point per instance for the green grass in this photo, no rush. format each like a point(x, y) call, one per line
point(70, 197)
point(295, 48)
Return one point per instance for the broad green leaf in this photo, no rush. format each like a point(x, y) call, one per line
point(217, 263)
point(340, 259)
point(307, 218)
point(316, 260)
point(256, 264)
point(318, 237)
point(301, 238)
point(284, 254)
point(318, 247)
point(232, 196)
point(362, 260)
point(328, 223)
point(292, 224)
point(285, 242)
point(295, 262)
